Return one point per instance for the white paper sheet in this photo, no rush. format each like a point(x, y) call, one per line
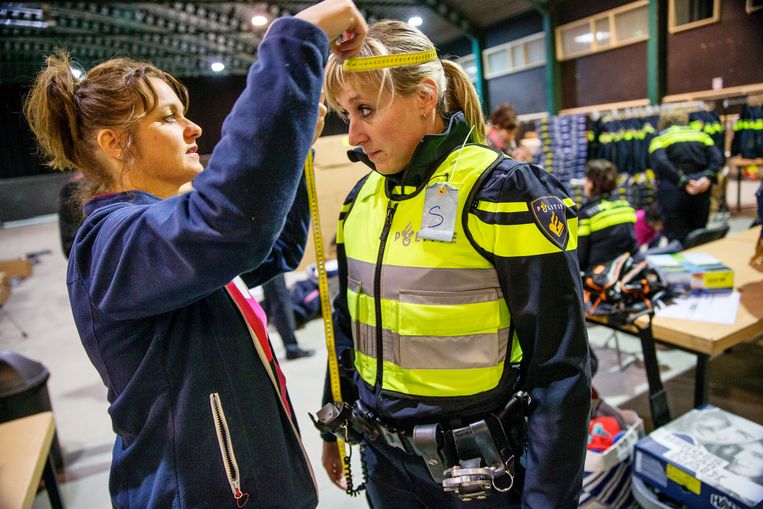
point(700, 258)
point(714, 308)
point(663, 260)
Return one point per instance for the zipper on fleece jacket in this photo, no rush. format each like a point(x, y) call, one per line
point(226, 450)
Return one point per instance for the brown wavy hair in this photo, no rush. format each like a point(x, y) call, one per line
point(66, 113)
point(603, 176)
point(505, 117)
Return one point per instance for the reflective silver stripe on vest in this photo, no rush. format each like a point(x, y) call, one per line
point(425, 279)
point(473, 351)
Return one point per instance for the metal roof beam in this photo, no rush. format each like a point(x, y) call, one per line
point(85, 47)
point(475, 35)
point(107, 21)
point(59, 30)
point(451, 15)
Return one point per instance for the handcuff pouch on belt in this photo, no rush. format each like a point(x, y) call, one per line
point(465, 460)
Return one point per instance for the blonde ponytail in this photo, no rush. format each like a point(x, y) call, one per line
point(461, 95)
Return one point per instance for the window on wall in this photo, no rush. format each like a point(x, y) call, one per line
point(469, 66)
point(496, 61)
point(535, 50)
point(688, 14)
point(606, 30)
point(518, 55)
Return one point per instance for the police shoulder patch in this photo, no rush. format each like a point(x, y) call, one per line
point(550, 215)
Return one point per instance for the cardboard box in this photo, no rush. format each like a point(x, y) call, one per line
point(5, 288)
point(693, 272)
point(706, 458)
point(18, 268)
point(332, 151)
point(335, 176)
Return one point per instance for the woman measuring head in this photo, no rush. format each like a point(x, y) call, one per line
point(197, 401)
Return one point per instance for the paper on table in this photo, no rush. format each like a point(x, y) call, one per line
point(663, 260)
point(715, 308)
point(700, 258)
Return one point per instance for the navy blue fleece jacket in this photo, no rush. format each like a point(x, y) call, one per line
point(146, 280)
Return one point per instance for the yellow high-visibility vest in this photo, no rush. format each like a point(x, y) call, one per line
point(607, 214)
point(443, 322)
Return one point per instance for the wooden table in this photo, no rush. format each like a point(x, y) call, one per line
point(24, 458)
point(738, 164)
point(711, 338)
point(705, 340)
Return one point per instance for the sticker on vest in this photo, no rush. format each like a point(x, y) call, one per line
point(550, 214)
point(438, 221)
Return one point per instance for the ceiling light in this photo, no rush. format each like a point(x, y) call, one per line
point(415, 21)
point(217, 66)
point(24, 23)
point(259, 20)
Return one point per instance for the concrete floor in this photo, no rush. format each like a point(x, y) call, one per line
point(39, 306)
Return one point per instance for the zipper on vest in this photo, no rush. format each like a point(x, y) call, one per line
point(377, 291)
point(226, 450)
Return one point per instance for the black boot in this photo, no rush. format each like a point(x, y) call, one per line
point(295, 352)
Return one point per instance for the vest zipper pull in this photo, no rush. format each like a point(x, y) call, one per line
point(387, 220)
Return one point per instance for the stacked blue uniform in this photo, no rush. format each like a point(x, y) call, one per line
point(563, 146)
point(748, 133)
point(625, 143)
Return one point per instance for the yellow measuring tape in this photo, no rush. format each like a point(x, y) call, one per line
point(360, 64)
point(323, 288)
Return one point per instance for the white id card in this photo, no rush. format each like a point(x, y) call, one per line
point(438, 221)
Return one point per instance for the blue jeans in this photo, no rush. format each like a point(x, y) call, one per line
point(397, 480)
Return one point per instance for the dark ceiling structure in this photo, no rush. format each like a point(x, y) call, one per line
point(186, 38)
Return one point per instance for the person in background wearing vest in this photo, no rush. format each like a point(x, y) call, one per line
point(686, 162)
point(197, 401)
point(459, 285)
point(606, 225)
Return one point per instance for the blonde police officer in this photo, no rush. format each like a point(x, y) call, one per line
point(459, 286)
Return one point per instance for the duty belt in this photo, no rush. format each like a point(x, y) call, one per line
point(497, 436)
point(465, 460)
